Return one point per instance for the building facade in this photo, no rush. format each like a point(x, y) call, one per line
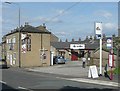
point(34, 47)
point(74, 54)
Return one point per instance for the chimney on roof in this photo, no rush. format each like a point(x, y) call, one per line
point(86, 38)
point(73, 40)
point(26, 23)
point(44, 25)
point(79, 39)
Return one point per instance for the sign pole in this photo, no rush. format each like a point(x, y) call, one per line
point(100, 74)
point(111, 72)
point(98, 29)
point(111, 56)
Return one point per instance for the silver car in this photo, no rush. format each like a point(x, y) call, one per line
point(59, 60)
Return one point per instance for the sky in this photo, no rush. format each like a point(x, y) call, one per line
point(67, 20)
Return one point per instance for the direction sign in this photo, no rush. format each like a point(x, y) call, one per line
point(77, 46)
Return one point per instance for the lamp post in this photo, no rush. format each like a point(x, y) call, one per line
point(18, 32)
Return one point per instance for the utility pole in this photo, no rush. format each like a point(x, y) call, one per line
point(19, 38)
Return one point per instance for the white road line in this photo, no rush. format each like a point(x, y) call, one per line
point(99, 82)
point(3, 82)
point(19, 87)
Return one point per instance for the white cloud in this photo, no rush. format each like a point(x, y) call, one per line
point(45, 20)
point(60, 11)
point(110, 26)
point(104, 14)
point(61, 33)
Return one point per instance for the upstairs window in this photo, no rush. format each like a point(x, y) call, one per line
point(28, 42)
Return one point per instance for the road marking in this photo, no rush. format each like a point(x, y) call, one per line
point(3, 82)
point(19, 87)
point(99, 82)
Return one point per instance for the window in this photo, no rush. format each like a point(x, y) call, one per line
point(11, 42)
point(7, 41)
point(28, 42)
point(11, 45)
point(14, 56)
point(14, 40)
point(8, 57)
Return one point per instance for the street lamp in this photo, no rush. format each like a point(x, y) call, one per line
point(18, 31)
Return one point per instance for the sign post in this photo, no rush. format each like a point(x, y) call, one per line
point(100, 73)
point(98, 30)
point(110, 56)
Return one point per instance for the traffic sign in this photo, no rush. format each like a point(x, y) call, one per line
point(109, 43)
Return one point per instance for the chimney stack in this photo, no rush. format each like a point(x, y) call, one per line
point(72, 39)
point(26, 23)
point(44, 25)
point(79, 39)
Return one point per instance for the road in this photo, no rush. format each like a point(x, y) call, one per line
point(21, 79)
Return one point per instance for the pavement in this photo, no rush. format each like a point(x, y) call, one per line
point(74, 71)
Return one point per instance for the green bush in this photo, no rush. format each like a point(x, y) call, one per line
point(116, 71)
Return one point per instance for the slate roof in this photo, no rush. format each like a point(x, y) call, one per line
point(63, 45)
point(32, 29)
point(28, 29)
point(60, 45)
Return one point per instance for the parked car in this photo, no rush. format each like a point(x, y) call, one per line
point(58, 60)
point(3, 63)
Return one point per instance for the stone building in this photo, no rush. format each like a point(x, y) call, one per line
point(32, 48)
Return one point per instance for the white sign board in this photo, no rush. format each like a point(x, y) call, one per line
point(24, 48)
point(109, 43)
point(110, 61)
point(77, 46)
point(109, 46)
point(93, 72)
point(98, 28)
point(23, 36)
